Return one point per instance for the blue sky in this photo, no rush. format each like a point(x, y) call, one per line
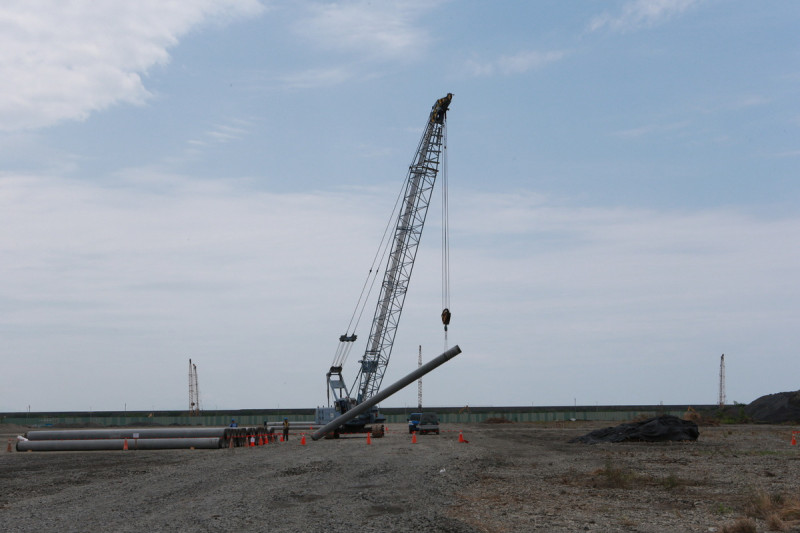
point(210, 179)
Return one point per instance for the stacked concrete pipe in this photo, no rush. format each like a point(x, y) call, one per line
point(118, 438)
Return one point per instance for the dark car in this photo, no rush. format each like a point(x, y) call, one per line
point(423, 423)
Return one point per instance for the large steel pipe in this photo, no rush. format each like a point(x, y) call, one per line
point(385, 393)
point(69, 445)
point(125, 433)
point(205, 443)
point(294, 424)
point(80, 445)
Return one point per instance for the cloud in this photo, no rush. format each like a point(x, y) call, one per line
point(66, 60)
point(360, 35)
point(518, 63)
point(232, 130)
point(316, 77)
point(639, 14)
point(649, 129)
point(373, 30)
point(131, 279)
point(603, 291)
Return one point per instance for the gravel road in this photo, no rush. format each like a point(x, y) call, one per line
point(509, 477)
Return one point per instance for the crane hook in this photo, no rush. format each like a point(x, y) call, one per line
point(446, 317)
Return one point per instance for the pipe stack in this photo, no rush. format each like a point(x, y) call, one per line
point(141, 438)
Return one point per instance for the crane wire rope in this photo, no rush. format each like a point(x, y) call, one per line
point(343, 349)
point(446, 315)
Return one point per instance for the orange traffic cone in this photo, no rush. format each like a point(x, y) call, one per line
point(9, 445)
point(413, 437)
point(125, 446)
point(281, 438)
point(461, 438)
point(369, 438)
point(303, 440)
point(230, 443)
point(794, 439)
point(252, 441)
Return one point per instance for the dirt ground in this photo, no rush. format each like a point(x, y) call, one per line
point(509, 477)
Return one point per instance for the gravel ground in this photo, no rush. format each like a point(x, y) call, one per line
point(509, 477)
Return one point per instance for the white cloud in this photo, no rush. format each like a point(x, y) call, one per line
point(650, 129)
point(641, 14)
point(134, 278)
point(518, 63)
point(232, 130)
point(361, 34)
point(64, 60)
point(316, 77)
point(373, 30)
point(610, 292)
point(751, 101)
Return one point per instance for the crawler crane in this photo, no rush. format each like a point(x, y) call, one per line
point(430, 155)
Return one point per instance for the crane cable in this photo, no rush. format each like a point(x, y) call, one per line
point(346, 341)
point(446, 315)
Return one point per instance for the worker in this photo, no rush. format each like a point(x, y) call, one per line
point(285, 429)
point(234, 424)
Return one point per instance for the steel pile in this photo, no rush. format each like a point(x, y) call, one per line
point(144, 438)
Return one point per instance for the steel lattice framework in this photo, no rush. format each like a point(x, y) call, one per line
point(408, 231)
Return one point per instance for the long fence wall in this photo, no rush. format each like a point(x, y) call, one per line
point(393, 415)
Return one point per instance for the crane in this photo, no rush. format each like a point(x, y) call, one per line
point(408, 227)
point(194, 390)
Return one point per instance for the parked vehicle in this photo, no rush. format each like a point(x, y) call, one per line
point(423, 423)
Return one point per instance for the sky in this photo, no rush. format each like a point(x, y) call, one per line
point(211, 179)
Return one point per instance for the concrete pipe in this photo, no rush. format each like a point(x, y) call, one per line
point(125, 433)
point(117, 444)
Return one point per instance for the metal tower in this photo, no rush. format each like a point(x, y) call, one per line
point(722, 381)
point(194, 390)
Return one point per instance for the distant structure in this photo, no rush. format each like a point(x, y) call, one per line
point(722, 381)
point(194, 390)
point(419, 382)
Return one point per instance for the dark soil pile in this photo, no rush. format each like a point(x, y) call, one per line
point(657, 429)
point(775, 408)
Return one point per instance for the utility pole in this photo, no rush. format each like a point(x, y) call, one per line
point(722, 382)
point(419, 382)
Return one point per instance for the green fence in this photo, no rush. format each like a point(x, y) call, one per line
point(393, 415)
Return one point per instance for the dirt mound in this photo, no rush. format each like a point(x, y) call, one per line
point(656, 429)
point(775, 408)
